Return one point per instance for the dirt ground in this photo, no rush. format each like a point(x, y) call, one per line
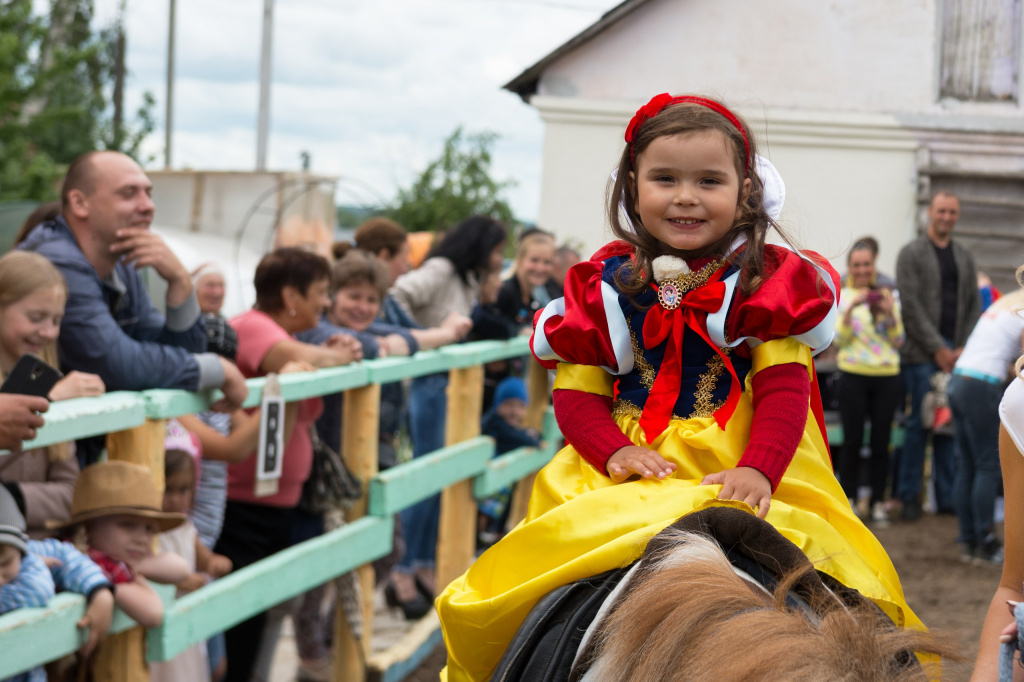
point(945, 593)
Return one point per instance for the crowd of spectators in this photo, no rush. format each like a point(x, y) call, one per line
point(71, 293)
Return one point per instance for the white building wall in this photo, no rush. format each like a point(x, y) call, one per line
point(841, 55)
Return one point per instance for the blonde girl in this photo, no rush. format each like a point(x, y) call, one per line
point(32, 298)
point(532, 269)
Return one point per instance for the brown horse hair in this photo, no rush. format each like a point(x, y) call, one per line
point(690, 617)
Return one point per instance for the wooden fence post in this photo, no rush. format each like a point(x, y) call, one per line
point(540, 395)
point(360, 435)
point(142, 445)
point(456, 532)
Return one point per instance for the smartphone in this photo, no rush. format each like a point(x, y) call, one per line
point(31, 376)
point(874, 296)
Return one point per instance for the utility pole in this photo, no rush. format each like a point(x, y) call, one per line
point(169, 115)
point(118, 95)
point(263, 126)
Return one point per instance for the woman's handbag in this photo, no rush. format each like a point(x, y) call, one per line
point(330, 484)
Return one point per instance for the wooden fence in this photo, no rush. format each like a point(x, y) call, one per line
point(463, 471)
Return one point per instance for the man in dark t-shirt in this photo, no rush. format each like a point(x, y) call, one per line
point(937, 282)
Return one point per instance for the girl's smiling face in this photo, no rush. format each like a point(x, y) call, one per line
point(688, 190)
point(355, 306)
point(536, 264)
point(29, 325)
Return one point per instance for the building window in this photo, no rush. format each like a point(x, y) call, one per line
point(980, 50)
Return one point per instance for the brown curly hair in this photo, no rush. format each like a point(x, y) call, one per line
point(754, 221)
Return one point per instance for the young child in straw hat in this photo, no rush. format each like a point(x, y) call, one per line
point(116, 510)
point(31, 571)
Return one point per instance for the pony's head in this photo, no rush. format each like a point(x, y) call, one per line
point(686, 615)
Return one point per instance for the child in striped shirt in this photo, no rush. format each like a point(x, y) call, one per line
point(32, 571)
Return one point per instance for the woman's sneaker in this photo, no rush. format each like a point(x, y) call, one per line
point(880, 515)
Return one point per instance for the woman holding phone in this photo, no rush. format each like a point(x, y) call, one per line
point(32, 298)
point(869, 333)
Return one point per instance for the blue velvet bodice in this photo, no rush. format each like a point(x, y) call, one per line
point(705, 381)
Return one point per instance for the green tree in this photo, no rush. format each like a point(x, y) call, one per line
point(55, 73)
point(455, 185)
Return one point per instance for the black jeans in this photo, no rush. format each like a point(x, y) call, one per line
point(865, 397)
point(251, 532)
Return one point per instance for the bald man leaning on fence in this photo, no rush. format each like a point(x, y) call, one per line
point(111, 327)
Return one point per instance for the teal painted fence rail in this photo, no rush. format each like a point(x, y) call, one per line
point(31, 637)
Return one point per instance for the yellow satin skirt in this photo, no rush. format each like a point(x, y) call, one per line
point(580, 524)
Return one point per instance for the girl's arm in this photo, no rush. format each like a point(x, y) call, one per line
point(585, 420)
point(453, 329)
point(781, 395)
point(1010, 584)
point(244, 437)
point(138, 600)
point(167, 568)
point(210, 563)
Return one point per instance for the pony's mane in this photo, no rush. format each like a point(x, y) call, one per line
point(688, 616)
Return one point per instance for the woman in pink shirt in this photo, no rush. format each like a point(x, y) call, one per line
point(291, 294)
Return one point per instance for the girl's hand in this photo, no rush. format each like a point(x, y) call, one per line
point(457, 325)
point(744, 484)
point(634, 459)
point(192, 583)
point(96, 620)
point(77, 385)
point(218, 566)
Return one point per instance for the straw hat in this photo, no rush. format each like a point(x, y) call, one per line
point(109, 488)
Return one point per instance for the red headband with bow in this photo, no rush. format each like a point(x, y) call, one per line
point(659, 102)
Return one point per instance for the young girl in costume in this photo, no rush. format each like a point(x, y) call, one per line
point(684, 379)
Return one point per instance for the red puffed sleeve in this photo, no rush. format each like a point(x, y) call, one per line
point(586, 326)
point(797, 298)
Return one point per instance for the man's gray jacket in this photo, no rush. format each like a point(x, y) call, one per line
point(919, 280)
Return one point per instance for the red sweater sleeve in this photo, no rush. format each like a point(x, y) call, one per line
point(781, 395)
point(586, 422)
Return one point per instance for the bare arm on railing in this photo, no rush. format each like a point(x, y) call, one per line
point(340, 349)
point(244, 437)
point(138, 600)
point(452, 330)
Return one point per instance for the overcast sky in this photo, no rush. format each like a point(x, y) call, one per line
point(369, 87)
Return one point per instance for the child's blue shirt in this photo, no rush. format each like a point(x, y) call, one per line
point(36, 583)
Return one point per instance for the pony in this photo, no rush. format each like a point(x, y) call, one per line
point(718, 595)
